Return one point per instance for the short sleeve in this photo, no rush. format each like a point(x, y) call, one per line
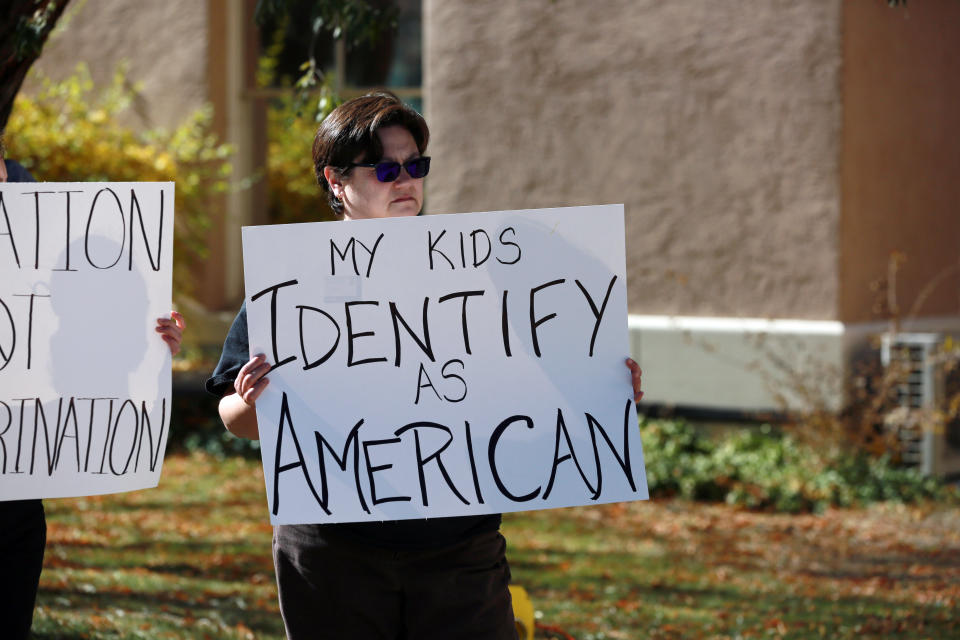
point(16, 172)
point(236, 353)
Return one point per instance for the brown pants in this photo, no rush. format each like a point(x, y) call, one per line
point(333, 588)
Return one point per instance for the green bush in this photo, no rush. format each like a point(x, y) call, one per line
point(195, 425)
point(759, 468)
point(220, 444)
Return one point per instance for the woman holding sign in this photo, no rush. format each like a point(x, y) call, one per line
point(23, 532)
point(443, 577)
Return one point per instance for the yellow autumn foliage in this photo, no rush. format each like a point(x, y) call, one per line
point(70, 131)
point(293, 194)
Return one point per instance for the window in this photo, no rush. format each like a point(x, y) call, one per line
point(393, 61)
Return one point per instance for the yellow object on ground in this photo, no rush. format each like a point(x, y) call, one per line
point(522, 612)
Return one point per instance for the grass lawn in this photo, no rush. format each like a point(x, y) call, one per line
point(191, 559)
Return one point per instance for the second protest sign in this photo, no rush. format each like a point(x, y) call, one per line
point(443, 365)
point(85, 271)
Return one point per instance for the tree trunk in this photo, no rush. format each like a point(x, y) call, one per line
point(24, 28)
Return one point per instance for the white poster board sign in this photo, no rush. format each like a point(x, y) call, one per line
point(85, 271)
point(443, 365)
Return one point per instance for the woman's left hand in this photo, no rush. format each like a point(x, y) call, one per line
point(635, 375)
point(171, 330)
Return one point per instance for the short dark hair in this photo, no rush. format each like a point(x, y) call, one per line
point(351, 131)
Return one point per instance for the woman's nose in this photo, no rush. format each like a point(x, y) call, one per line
point(403, 177)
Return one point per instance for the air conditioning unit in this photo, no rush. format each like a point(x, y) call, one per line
point(927, 378)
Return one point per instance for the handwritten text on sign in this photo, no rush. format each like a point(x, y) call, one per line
point(443, 365)
point(85, 271)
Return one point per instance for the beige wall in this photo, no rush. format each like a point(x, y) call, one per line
point(901, 154)
point(164, 43)
point(716, 124)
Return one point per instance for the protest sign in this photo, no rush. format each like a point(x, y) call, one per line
point(443, 365)
point(85, 271)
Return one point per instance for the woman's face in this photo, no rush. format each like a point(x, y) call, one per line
point(364, 196)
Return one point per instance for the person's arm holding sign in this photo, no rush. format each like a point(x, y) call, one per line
point(239, 380)
point(238, 407)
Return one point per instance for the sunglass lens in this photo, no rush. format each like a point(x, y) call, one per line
point(387, 171)
point(418, 168)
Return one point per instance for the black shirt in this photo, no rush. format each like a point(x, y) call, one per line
point(16, 172)
point(399, 534)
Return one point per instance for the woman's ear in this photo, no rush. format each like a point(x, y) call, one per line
point(335, 180)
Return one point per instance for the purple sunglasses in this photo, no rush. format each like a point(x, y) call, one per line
point(390, 171)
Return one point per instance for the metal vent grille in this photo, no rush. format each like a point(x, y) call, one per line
point(909, 360)
point(926, 384)
point(912, 362)
point(951, 384)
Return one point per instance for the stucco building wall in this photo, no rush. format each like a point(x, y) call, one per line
point(164, 44)
point(716, 124)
